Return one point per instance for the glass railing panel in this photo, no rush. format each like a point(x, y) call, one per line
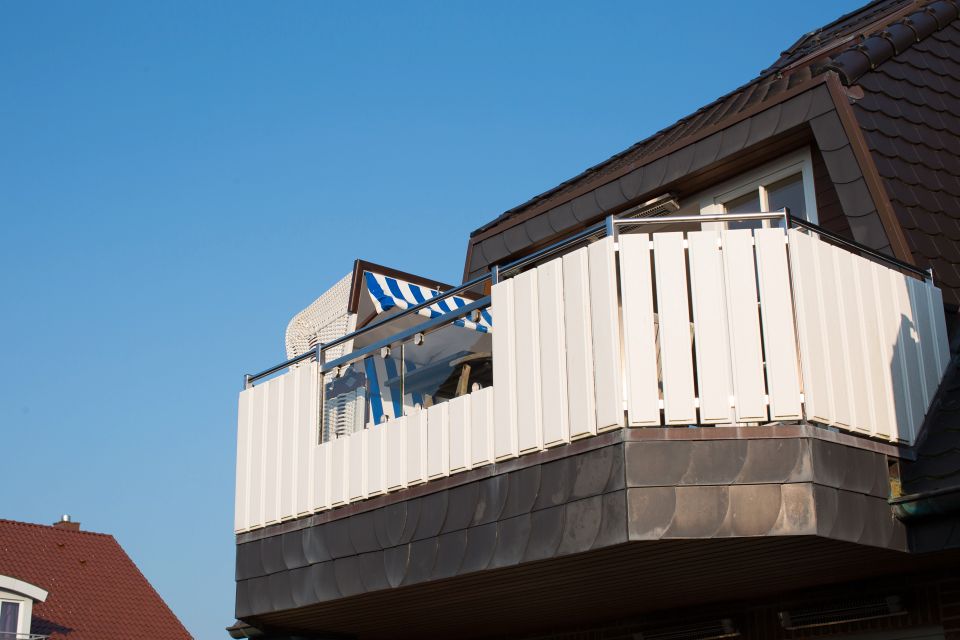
point(433, 367)
point(446, 363)
point(344, 408)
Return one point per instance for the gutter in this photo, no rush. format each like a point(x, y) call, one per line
point(917, 506)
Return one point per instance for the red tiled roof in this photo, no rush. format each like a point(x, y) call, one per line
point(95, 591)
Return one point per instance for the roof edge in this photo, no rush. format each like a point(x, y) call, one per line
point(15, 585)
point(894, 39)
point(536, 208)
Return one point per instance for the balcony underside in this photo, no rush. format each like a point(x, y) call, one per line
point(606, 527)
point(615, 582)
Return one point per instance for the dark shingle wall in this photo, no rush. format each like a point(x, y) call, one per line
point(910, 114)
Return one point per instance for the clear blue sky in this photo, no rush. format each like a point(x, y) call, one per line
point(177, 179)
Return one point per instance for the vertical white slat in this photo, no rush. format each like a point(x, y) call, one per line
point(640, 339)
point(579, 336)
point(940, 329)
point(527, 349)
point(744, 321)
point(832, 324)
point(875, 382)
point(892, 350)
point(416, 447)
point(258, 452)
point(375, 449)
point(504, 370)
point(306, 435)
point(287, 428)
point(272, 461)
point(481, 427)
point(395, 454)
point(605, 324)
point(319, 452)
point(851, 313)
point(339, 463)
point(553, 355)
point(926, 335)
point(710, 327)
point(779, 333)
point(322, 474)
point(438, 441)
point(357, 471)
point(908, 338)
point(241, 513)
point(676, 357)
point(815, 367)
point(458, 419)
point(835, 271)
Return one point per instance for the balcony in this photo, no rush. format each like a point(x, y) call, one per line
point(635, 324)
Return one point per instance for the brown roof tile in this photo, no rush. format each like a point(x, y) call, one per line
point(95, 591)
point(910, 116)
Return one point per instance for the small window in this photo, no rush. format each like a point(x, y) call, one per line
point(787, 193)
point(9, 618)
point(787, 182)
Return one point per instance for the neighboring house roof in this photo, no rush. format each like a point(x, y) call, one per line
point(887, 48)
point(95, 591)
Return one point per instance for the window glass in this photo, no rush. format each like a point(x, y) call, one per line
point(9, 612)
point(748, 203)
point(788, 193)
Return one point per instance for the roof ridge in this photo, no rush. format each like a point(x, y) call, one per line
point(892, 39)
point(54, 528)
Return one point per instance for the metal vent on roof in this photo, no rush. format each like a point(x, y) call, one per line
point(842, 611)
point(659, 206)
point(710, 630)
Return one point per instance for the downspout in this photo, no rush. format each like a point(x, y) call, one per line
point(916, 506)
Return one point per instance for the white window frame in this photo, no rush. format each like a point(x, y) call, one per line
point(24, 612)
point(756, 180)
point(24, 594)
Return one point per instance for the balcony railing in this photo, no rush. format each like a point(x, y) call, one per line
point(614, 327)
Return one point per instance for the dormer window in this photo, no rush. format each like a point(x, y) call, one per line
point(9, 619)
point(787, 182)
point(16, 607)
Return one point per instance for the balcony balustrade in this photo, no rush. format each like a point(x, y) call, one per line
point(627, 325)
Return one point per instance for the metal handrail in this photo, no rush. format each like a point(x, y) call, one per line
point(789, 220)
point(498, 272)
point(495, 273)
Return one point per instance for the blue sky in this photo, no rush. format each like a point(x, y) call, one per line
point(178, 179)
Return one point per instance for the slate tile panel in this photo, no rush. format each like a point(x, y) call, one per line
point(938, 455)
point(910, 116)
point(566, 506)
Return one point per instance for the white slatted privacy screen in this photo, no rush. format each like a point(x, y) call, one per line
point(708, 328)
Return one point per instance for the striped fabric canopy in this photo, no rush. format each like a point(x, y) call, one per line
point(387, 293)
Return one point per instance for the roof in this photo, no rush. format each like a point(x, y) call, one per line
point(857, 47)
point(910, 118)
point(95, 591)
point(782, 75)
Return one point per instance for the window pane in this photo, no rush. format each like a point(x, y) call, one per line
point(9, 612)
point(749, 203)
point(788, 193)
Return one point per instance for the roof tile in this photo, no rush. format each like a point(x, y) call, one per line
point(95, 591)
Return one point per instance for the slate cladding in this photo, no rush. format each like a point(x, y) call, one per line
point(910, 116)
